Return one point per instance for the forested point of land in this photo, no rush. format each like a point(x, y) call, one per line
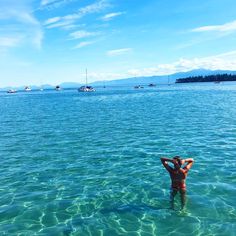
point(207, 78)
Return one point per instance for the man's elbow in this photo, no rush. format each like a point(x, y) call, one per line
point(191, 160)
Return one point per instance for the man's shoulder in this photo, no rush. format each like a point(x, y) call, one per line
point(184, 170)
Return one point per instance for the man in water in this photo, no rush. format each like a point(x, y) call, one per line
point(178, 176)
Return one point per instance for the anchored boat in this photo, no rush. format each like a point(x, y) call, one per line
point(86, 88)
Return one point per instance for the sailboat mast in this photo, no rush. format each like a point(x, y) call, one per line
point(86, 78)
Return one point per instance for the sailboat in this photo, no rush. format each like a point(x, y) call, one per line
point(152, 85)
point(27, 88)
point(168, 80)
point(58, 88)
point(86, 88)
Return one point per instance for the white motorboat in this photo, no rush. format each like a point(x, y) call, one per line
point(138, 87)
point(11, 91)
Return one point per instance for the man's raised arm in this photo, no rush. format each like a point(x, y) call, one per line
point(164, 162)
point(189, 162)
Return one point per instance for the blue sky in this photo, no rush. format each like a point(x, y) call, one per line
point(54, 41)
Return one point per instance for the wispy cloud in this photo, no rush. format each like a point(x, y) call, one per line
point(62, 24)
point(71, 18)
point(93, 8)
point(117, 52)
point(82, 34)
point(227, 54)
point(83, 44)
point(46, 2)
point(52, 20)
point(213, 32)
point(53, 4)
point(25, 23)
point(227, 27)
point(9, 41)
point(66, 25)
point(224, 61)
point(110, 16)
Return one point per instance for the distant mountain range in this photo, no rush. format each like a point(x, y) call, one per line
point(143, 80)
point(163, 79)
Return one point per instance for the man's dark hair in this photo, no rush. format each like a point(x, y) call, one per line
point(178, 159)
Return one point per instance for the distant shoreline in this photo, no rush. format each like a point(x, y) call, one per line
point(194, 76)
point(208, 78)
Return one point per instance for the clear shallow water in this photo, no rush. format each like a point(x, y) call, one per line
point(88, 164)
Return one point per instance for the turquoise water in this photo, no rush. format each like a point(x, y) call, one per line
point(89, 163)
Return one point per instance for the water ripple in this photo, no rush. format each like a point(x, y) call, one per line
point(88, 164)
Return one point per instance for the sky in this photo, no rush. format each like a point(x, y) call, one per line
point(54, 41)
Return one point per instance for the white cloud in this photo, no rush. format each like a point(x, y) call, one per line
point(66, 25)
point(46, 2)
point(227, 54)
point(52, 20)
point(9, 41)
point(93, 8)
point(82, 34)
point(19, 14)
point(71, 26)
point(83, 44)
point(225, 61)
point(228, 27)
point(110, 16)
point(118, 52)
point(53, 4)
point(89, 9)
point(62, 24)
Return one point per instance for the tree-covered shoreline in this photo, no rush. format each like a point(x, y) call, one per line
point(207, 78)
